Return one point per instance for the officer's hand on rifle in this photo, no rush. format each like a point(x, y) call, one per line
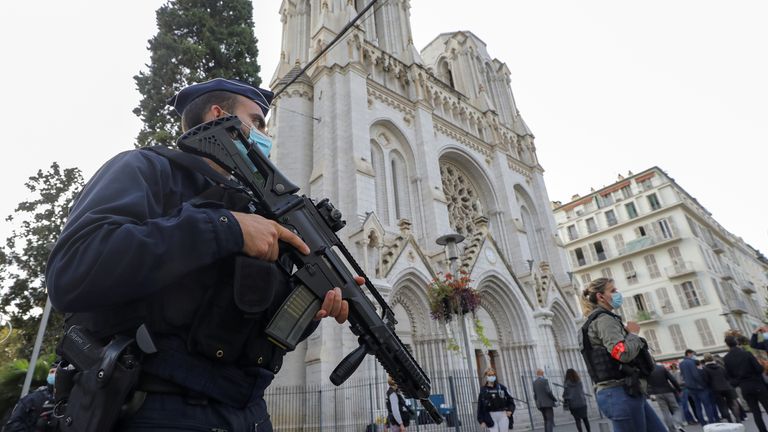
point(334, 306)
point(261, 237)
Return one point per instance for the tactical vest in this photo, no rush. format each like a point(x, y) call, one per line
point(600, 365)
point(221, 311)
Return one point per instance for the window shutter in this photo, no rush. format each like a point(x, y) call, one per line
point(630, 309)
point(672, 226)
point(574, 260)
point(701, 292)
point(592, 252)
point(681, 297)
point(649, 303)
point(664, 301)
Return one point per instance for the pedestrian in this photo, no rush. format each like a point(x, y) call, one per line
point(545, 400)
point(743, 370)
point(151, 241)
point(617, 360)
point(722, 391)
point(495, 405)
point(32, 413)
point(697, 388)
point(682, 397)
point(398, 413)
point(574, 400)
point(663, 389)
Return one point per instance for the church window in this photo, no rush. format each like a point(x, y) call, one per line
point(400, 187)
point(380, 181)
point(464, 204)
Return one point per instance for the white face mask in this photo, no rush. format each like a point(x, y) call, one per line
point(491, 378)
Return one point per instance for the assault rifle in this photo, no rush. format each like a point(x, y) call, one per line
point(323, 269)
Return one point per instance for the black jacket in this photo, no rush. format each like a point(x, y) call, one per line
point(661, 381)
point(715, 377)
point(486, 400)
point(743, 370)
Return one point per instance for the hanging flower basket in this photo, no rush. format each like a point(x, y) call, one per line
point(451, 296)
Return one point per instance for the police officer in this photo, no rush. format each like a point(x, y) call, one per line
point(495, 405)
point(157, 238)
point(612, 353)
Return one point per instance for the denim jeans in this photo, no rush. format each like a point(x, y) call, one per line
point(628, 413)
point(701, 398)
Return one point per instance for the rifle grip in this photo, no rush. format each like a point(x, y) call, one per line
point(293, 318)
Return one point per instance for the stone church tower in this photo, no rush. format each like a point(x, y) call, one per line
point(410, 146)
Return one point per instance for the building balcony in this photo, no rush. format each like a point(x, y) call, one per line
point(726, 275)
point(679, 270)
point(646, 316)
point(643, 243)
point(748, 287)
point(737, 306)
point(716, 246)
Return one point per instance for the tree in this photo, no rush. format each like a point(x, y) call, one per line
point(12, 379)
point(22, 261)
point(197, 40)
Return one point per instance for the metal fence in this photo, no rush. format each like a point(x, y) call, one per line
point(359, 405)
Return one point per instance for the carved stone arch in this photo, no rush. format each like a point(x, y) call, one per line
point(566, 342)
point(506, 309)
point(532, 221)
point(468, 189)
point(397, 187)
point(410, 292)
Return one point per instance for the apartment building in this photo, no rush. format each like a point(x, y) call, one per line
point(685, 278)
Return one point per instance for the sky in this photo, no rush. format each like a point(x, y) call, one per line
point(607, 87)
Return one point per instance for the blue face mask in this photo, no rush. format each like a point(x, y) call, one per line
point(765, 336)
point(491, 379)
point(260, 140)
point(51, 379)
point(617, 299)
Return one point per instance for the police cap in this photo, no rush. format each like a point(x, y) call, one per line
point(181, 100)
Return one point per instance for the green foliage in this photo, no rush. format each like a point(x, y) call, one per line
point(38, 224)
point(197, 40)
point(480, 330)
point(12, 379)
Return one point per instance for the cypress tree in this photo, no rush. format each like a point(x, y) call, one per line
point(197, 40)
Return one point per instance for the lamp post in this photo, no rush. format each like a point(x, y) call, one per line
point(450, 242)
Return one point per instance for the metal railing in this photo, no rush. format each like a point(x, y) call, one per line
point(679, 269)
point(360, 405)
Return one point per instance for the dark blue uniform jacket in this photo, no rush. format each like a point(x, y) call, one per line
point(132, 233)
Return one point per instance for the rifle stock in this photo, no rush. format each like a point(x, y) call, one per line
point(323, 269)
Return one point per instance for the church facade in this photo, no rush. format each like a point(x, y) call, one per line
point(411, 145)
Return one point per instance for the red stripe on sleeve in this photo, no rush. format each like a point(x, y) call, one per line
point(618, 350)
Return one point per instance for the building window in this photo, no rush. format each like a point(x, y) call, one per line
point(591, 225)
point(653, 341)
point(572, 233)
point(704, 332)
point(665, 229)
point(599, 251)
point(675, 256)
point(626, 191)
point(692, 226)
point(653, 268)
point(631, 210)
point(664, 301)
point(677, 337)
point(580, 259)
point(653, 200)
point(607, 273)
point(598, 201)
point(629, 272)
point(646, 184)
point(607, 200)
point(610, 218)
point(619, 240)
point(586, 278)
point(688, 294)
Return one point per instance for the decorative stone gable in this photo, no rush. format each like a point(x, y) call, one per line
point(542, 279)
point(474, 243)
point(394, 247)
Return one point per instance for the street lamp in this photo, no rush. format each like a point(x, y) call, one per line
point(450, 242)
